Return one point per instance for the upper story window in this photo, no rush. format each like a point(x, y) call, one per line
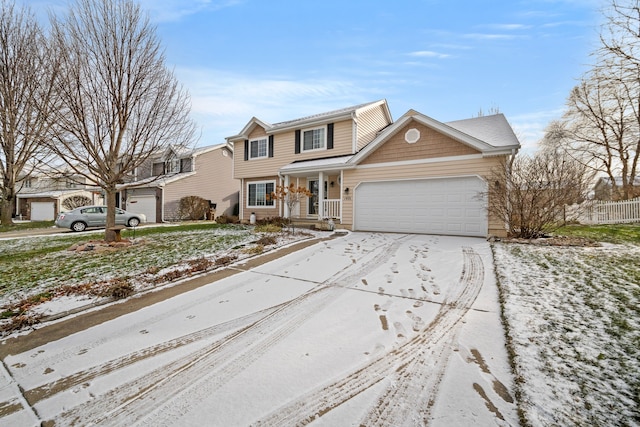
point(258, 148)
point(70, 183)
point(27, 183)
point(172, 166)
point(314, 139)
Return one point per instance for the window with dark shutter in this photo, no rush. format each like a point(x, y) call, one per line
point(270, 145)
point(158, 169)
point(330, 136)
point(185, 165)
point(246, 150)
point(298, 141)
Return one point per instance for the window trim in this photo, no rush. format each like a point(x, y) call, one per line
point(324, 139)
point(266, 148)
point(269, 204)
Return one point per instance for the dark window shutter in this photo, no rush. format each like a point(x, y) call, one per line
point(298, 141)
point(270, 145)
point(330, 136)
point(246, 150)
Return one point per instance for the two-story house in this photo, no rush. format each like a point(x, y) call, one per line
point(370, 173)
point(42, 192)
point(175, 173)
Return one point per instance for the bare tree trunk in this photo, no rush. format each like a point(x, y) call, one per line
point(6, 209)
point(110, 197)
point(119, 104)
point(26, 70)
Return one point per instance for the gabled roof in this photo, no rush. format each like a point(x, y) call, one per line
point(494, 130)
point(606, 181)
point(327, 117)
point(184, 152)
point(490, 135)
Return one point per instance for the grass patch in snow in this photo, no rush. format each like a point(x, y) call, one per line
point(572, 316)
point(30, 264)
point(29, 225)
point(611, 233)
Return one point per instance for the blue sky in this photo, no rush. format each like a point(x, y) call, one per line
point(280, 60)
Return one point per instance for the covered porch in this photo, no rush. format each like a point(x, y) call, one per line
point(324, 179)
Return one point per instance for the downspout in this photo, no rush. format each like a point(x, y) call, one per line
point(354, 135)
point(241, 198)
point(281, 207)
point(162, 204)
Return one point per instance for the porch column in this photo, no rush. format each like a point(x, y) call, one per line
point(320, 195)
point(287, 214)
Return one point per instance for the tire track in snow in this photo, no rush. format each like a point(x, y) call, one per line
point(416, 368)
point(171, 390)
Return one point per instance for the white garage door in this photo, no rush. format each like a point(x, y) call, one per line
point(42, 211)
point(453, 206)
point(144, 205)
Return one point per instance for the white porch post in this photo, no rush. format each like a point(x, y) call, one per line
point(341, 194)
point(287, 213)
point(320, 195)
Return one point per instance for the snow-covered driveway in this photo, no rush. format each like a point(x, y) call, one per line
point(367, 329)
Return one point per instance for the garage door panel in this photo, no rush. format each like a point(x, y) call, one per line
point(42, 211)
point(145, 205)
point(430, 206)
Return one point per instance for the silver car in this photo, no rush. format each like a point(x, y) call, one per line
point(96, 216)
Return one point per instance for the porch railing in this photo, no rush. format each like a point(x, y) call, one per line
point(331, 208)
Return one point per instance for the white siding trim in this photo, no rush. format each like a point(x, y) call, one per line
point(422, 161)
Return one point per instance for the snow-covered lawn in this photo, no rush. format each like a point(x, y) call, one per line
point(573, 315)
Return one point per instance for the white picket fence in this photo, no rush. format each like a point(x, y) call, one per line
point(600, 212)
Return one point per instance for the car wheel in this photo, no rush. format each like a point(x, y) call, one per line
point(78, 226)
point(134, 222)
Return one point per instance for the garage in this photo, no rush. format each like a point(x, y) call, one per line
point(448, 206)
point(143, 204)
point(43, 211)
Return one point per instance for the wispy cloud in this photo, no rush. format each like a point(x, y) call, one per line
point(222, 102)
point(175, 10)
point(509, 27)
point(490, 36)
point(428, 54)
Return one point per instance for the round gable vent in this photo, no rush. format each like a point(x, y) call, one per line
point(412, 135)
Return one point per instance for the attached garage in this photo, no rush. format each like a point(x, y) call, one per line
point(143, 204)
point(43, 211)
point(452, 206)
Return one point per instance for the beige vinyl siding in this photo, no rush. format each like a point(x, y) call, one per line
point(212, 181)
point(370, 122)
point(284, 151)
point(431, 145)
point(469, 167)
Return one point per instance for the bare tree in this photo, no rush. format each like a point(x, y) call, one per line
point(119, 103)
point(603, 114)
point(76, 201)
point(291, 196)
point(529, 193)
point(26, 70)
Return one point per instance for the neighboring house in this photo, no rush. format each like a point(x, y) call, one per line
point(603, 190)
point(160, 184)
point(41, 194)
point(369, 173)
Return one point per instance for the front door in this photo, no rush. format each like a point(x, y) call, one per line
point(313, 200)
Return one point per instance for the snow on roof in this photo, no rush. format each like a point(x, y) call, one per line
point(55, 194)
point(494, 130)
point(323, 164)
point(321, 116)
